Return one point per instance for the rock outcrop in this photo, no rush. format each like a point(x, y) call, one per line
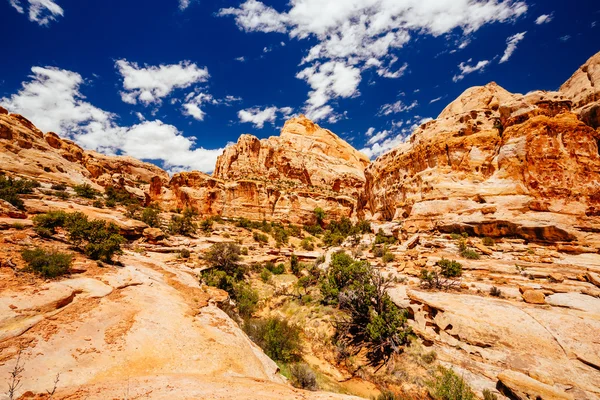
point(27, 151)
point(497, 164)
point(281, 178)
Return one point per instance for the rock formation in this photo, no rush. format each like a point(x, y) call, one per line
point(281, 178)
point(495, 164)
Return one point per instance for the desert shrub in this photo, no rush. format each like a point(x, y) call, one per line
point(372, 320)
point(455, 236)
point(303, 377)
point(363, 226)
point(183, 224)
point(185, 253)
point(63, 195)
point(388, 395)
point(45, 224)
point(278, 338)
point(280, 235)
point(378, 251)
point(381, 238)
point(59, 187)
point(470, 254)
point(266, 275)
point(245, 298)
point(110, 203)
point(120, 195)
point(10, 189)
point(244, 251)
point(429, 357)
point(333, 238)
point(275, 269)
point(388, 257)
point(151, 217)
point(260, 237)
point(294, 230)
point(18, 226)
point(47, 264)
point(295, 265)
point(314, 229)
point(98, 239)
point(488, 241)
point(320, 215)
point(206, 225)
point(307, 244)
point(488, 395)
point(494, 291)
point(86, 191)
point(447, 385)
point(98, 203)
point(225, 257)
point(443, 276)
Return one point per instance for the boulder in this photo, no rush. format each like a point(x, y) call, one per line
point(534, 297)
point(153, 234)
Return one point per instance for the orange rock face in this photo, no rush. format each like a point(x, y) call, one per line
point(281, 178)
point(494, 163)
point(25, 150)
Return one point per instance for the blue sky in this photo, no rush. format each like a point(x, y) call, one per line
point(174, 81)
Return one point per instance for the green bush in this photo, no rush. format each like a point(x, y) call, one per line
point(381, 238)
point(470, 254)
point(226, 257)
point(275, 269)
point(260, 237)
point(10, 189)
point(320, 215)
point(59, 187)
point(86, 191)
point(488, 241)
point(119, 195)
point(303, 377)
point(45, 224)
point(494, 291)
point(98, 204)
point(314, 230)
point(47, 264)
point(307, 244)
point(443, 276)
point(295, 265)
point(206, 225)
point(266, 275)
point(244, 251)
point(110, 203)
point(446, 385)
point(488, 395)
point(378, 251)
point(279, 339)
point(280, 235)
point(184, 224)
point(245, 298)
point(388, 257)
point(185, 253)
point(151, 217)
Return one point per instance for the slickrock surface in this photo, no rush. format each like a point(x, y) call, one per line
point(145, 330)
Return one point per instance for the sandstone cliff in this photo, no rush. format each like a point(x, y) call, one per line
point(495, 163)
point(281, 178)
point(27, 151)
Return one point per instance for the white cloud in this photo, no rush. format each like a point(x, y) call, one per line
point(39, 11)
point(544, 19)
point(353, 33)
point(194, 101)
point(253, 15)
point(184, 4)
point(241, 59)
point(150, 84)
point(383, 141)
point(370, 132)
point(466, 69)
point(329, 80)
point(53, 101)
point(565, 38)
point(435, 100)
point(258, 117)
point(397, 107)
point(379, 136)
point(511, 46)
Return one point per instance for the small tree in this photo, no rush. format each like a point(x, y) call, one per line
point(151, 217)
point(295, 265)
point(184, 224)
point(320, 215)
point(86, 191)
point(444, 276)
point(47, 264)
